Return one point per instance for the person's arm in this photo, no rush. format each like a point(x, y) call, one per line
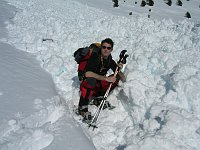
point(122, 77)
point(90, 74)
point(121, 74)
point(92, 66)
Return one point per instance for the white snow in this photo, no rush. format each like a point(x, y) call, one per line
point(158, 107)
point(32, 115)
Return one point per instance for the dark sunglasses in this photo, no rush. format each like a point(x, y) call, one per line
point(108, 48)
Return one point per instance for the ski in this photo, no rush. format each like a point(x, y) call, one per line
point(97, 101)
point(107, 106)
point(80, 118)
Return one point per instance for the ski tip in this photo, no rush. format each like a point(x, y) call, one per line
point(92, 125)
point(111, 107)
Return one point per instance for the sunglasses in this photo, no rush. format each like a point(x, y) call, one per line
point(108, 48)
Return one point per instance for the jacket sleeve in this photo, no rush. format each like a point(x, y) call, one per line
point(113, 65)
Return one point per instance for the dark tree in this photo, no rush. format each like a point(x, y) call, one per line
point(187, 15)
point(150, 2)
point(115, 3)
point(179, 3)
point(143, 3)
point(168, 2)
point(130, 13)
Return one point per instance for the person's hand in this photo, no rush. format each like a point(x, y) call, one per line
point(110, 79)
point(120, 65)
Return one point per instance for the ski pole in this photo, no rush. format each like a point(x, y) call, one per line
point(99, 109)
point(122, 59)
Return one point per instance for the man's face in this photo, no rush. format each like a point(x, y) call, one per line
point(106, 49)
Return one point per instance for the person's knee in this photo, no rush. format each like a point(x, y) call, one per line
point(91, 82)
point(87, 87)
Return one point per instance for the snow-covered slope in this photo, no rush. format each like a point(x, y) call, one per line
point(158, 107)
point(32, 115)
point(159, 10)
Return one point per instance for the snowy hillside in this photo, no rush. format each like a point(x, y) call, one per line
point(158, 107)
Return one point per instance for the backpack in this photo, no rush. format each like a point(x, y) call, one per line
point(82, 55)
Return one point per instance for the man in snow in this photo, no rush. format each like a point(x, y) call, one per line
point(95, 81)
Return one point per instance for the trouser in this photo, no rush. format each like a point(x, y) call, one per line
point(91, 87)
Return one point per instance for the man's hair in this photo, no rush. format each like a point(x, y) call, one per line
point(109, 41)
